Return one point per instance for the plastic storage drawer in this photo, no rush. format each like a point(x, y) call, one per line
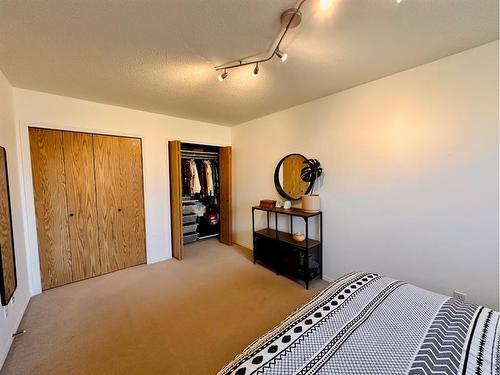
point(188, 209)
point(189, 219)
point(190, 228)
point(188, 238)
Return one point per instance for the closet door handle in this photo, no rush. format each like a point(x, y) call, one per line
point(71, 215)
point(119, 210)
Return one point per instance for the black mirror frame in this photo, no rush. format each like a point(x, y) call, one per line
point(5, 300)
point(277, 179)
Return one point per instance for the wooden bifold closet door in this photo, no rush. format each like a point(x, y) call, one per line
point(174, 152)
point(81, 200)
point(49, 184)
point(118, 166)
point(88, 203)
point(226, 194)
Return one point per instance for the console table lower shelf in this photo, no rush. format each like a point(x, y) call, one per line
point(286, 256)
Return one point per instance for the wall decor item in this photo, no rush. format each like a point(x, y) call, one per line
point(287, 177)
point(310, 174)
point(8, 279)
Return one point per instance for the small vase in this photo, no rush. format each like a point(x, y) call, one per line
point(311, 203)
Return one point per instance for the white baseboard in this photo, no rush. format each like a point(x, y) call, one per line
point(5, 350)
point(156, 260)
point(249, 247)
point(328, 278)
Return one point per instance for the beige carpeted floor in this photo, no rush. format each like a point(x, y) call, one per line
point(174, 317)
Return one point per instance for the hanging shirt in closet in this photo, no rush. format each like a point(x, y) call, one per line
point(215, 177)
point(209, 178)
point(194, 183)
point(200, 167)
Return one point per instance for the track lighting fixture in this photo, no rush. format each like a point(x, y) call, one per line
point(256, 70)
point(222, 76)
point(282, 55)
point(290, 19)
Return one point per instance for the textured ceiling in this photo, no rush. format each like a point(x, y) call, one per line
point(158, 55)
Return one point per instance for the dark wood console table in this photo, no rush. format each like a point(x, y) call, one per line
point(302, 260)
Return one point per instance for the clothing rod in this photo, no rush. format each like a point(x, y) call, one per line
point(199, 152)
point(187, 154)
point(208, 236)
point(199, 157)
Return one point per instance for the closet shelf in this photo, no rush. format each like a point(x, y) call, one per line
point(190, 201)
point(287, 237)
point(208, 236)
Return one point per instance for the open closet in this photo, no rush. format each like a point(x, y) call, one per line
point(200, 194)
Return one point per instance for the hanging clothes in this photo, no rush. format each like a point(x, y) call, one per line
point(215, 176)
point(201, 173)
point(186, 178)
point(209, 178)
point(194, 183)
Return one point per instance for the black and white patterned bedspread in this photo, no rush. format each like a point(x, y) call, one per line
point(365, 323)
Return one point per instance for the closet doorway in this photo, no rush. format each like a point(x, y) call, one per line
point(200, 194)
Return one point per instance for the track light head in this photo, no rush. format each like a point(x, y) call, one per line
point(256, 70)
point(222, 76)
point(282, 55)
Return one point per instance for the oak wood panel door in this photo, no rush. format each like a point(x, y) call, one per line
point(132, 201)
point(174, 153)
point(49, 185)
point(8, 279)
point(225, 173)
point(109, 202)
point(120, 201)
point(81, 198)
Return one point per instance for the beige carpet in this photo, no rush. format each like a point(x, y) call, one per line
point(174, 317)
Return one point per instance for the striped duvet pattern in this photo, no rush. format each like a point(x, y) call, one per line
point(365, 323)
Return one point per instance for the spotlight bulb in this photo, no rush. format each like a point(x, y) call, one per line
point(325, 4)
point(282, 55)
point(222, 76)
point(256, 70)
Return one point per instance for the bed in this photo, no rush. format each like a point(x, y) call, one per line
point(365, 323)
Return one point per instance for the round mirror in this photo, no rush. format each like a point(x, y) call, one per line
point(287, 177)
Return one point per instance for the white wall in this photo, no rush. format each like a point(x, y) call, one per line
point(10, 315)
point(57, 112)
point(411, 173)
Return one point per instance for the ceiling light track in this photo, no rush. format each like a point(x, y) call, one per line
point(292, 18)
